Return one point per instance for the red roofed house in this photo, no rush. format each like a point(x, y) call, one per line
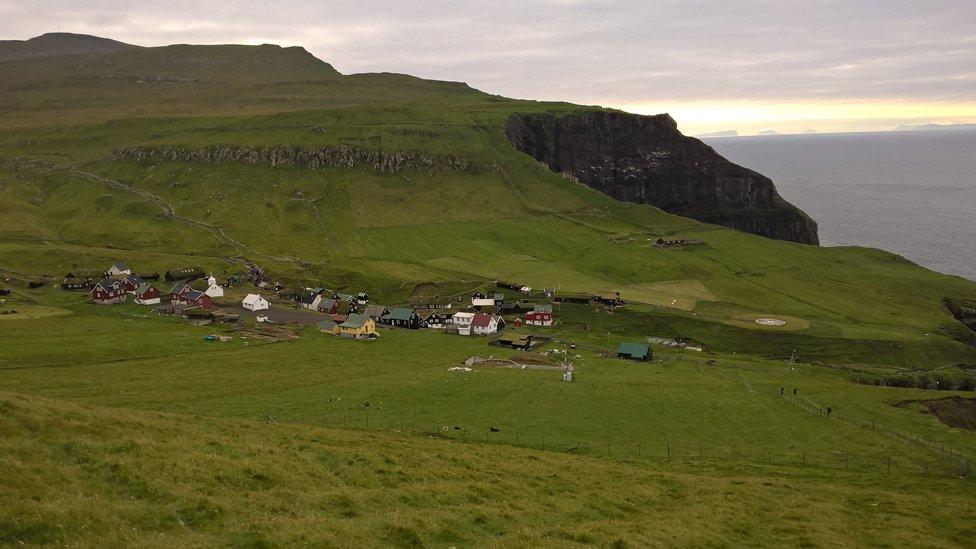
point(484, 324)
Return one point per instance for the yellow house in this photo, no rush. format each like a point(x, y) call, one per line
point(358, 326)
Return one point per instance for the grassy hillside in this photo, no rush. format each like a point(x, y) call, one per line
point(256, 484)
point(166, 431)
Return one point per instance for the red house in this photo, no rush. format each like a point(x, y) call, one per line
point(108, 292)
point(130, 282)
point(195, 298)
point(146, 294)
point(541, 316)
point(178, 292)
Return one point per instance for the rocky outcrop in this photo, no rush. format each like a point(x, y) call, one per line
point(310, 158)
point(645, 159)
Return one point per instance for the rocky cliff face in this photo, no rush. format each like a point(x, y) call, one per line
point(302, 157)
point(645, 159)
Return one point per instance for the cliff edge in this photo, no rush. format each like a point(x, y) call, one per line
point(645, 159)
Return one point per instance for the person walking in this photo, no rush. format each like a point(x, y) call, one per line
point(780, 391)
point(829, 409)
point(794, 391)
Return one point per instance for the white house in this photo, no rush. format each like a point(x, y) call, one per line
point(119, 269)
point(311, 300)
point(463, 322)
point(214, 289)
point(484, 324)
point(254, 302)
point(482, 302)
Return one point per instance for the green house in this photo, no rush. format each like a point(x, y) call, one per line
point(634, 351)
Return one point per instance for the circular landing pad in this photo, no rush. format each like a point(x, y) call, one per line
point(770, 322)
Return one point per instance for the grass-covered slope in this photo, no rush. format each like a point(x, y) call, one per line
point(106, 476)
point(163, 430)
point(502, 217)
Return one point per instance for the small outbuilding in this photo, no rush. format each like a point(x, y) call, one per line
point(329, 327)
point(118, 269)
point(634, 351)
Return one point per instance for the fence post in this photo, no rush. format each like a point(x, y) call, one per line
point(669, 450)
point(638, 448)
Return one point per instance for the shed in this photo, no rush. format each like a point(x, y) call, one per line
point(119, 268)
point(634, 351)
point(329, 327)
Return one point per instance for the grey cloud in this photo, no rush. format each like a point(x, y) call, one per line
point(585, 51)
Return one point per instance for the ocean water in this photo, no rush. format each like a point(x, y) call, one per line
point(911, 193)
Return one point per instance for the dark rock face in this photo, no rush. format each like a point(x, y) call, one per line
point(645, 159)
point(326, 157)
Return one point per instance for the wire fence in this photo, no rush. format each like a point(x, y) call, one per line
point(685, 451)
point(953, 457)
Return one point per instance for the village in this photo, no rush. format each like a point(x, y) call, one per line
point(191, 293)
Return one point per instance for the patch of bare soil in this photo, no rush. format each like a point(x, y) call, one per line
point(954, 411)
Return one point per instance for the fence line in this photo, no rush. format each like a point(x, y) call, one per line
point(947, 453)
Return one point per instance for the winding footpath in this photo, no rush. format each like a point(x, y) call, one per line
point(170, 212)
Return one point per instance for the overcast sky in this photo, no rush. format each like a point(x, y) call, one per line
point(746, 65)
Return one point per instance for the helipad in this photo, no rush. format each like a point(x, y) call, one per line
point(770, 321)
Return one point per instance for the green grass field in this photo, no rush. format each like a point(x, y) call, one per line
point(170, 435)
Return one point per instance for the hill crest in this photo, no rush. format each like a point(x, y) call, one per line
point(59, 43)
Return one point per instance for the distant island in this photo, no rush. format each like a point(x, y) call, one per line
point(810, 130)
point(768, 132)
point(723, 133)
point(935, 127)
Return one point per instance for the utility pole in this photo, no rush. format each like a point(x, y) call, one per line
point(792, 359)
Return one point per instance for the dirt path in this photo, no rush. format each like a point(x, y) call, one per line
point(170, 212)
